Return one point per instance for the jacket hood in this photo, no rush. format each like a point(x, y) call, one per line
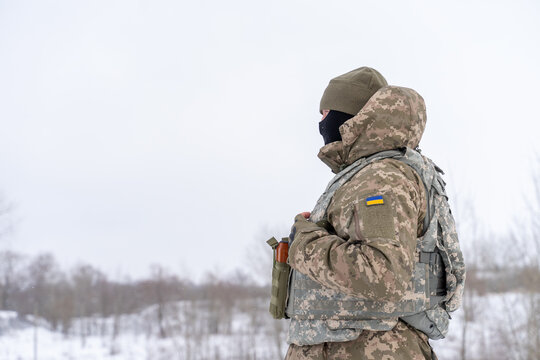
point(394, 117)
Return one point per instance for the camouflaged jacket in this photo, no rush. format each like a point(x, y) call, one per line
point(372, 254)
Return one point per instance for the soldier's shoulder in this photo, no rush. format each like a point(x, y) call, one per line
point(389, 171)
point(382, 177)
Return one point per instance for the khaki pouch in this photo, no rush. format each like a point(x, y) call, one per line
point(280, 284)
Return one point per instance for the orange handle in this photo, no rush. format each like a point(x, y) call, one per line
point(282, 252)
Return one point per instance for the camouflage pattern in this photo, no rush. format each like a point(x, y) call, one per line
point(451, 255)
point(394, 117)
point(372, 255)
point(310, 300)
point(402, 342)
point(444, 237)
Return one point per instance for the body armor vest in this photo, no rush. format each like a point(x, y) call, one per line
point(319, 314)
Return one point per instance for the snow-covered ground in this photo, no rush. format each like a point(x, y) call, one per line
point(194, 330)
point(497, 329)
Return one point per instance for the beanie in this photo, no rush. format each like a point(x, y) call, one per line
point(349, 92)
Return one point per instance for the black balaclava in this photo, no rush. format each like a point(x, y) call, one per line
point(329, 127)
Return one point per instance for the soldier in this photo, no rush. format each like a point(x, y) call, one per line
point(358, 258)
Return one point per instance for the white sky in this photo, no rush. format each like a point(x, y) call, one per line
point(173, 132)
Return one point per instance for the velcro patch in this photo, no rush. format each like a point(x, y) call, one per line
point(378, 218)
point(374, 200)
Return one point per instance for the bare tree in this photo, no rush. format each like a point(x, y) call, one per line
point(519, 336)
point(85, 280)
point(531, 271)
point(10, 264)
point(158, 289)
point(8, 259)
point(6, 209)
point(42, 273)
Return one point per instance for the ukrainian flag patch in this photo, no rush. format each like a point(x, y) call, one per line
point(374, 200)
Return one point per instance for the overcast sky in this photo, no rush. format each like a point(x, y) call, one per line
point(174, 132)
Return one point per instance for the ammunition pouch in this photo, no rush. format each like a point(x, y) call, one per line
point(280, 284)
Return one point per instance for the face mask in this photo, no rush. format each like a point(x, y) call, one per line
point(329, 127)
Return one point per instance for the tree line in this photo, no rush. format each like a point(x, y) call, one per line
point(37, 286)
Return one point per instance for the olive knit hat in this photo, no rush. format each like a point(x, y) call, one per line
point(349, 92)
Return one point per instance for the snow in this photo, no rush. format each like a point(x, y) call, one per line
point(7, 315)
point(246, 332)
point(497, 323)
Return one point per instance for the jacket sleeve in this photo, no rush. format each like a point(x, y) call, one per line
point(372, 254)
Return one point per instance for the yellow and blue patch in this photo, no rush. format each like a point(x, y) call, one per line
point(374, 200)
